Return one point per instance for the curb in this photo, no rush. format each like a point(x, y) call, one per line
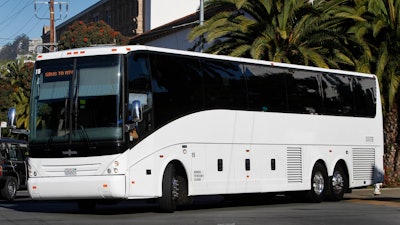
point(369, 193)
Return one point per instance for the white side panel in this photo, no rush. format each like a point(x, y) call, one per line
point(199, 140)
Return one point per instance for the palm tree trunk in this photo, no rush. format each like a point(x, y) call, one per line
point(392, 148)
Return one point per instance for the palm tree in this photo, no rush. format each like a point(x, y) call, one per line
point(19, 77)
point(22, 107)
point(290, 31)
point(379, 37)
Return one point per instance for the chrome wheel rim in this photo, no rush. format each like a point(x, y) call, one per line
point(11, 188)
point(318, 183)
point(337, 182)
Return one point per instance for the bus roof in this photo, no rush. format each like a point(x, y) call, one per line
point(107, 50)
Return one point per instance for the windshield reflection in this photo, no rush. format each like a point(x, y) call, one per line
point(77, 100)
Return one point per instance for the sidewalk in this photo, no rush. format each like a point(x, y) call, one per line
point(368, 193)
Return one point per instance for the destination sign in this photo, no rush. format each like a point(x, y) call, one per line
point(59, 75)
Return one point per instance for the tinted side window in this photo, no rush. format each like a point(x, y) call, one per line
point(224, 85)
point(266, 88)
point(338, 94)
point(177, 86)
point(139, 88)
point(138, 74)
point(303, 92)
point(365, 95)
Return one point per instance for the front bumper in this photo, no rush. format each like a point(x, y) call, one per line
point(77, 187)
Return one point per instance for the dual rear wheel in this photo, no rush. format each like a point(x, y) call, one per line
point(323, 186)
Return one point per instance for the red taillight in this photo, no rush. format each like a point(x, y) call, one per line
point(1, 171)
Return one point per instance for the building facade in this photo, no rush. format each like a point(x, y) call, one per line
point(132, 18)
point(125, 16)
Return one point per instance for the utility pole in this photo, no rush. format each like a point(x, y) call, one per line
point(52, 28)
point(53, 37)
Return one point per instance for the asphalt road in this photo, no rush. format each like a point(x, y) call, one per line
point(358, 208)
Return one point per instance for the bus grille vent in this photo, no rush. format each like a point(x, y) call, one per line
point(363, 163)
point(294, 165)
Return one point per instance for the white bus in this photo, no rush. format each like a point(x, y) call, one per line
point(138, 122)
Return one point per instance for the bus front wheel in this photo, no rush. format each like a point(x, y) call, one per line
point(170, 190)
point(319, 181)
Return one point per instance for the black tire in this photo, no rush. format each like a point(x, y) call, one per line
point(9, 189)
point(183, 198)
point(170, 190)
point(338, 184)
point(319, 184)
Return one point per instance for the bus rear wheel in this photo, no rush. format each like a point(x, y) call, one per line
point(319, 181)
point(338, 184)
point(170, 190)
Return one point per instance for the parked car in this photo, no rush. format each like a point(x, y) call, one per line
point(13, 167)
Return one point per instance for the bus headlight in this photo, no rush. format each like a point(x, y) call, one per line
point(113, 168)
point(31, 173)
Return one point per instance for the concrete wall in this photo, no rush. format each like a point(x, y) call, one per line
point(160, 12)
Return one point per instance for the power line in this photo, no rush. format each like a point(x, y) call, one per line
point(11, 18)
point(4, 3)
point(26, 24)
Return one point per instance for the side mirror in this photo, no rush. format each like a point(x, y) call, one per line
point(12, 122)
point(12, 118)
point(137, 111)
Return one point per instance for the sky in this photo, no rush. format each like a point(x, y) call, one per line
point(18, 16)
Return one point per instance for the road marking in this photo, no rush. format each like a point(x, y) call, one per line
point(382, 202)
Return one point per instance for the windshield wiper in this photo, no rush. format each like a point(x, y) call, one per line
point(85, 135)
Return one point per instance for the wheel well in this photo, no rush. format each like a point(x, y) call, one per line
point(322, 162)
point(180, 169)
point(3, 180)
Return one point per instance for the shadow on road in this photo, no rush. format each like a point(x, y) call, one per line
point(23, 204)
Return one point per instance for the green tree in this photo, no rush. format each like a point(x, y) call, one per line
point(11, 50)
point(361, 35)
point(80, 34)
point(378, 37)
point(5, 92)
point(15, 91)
point(289, 31)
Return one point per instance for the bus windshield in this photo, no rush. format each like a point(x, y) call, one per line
point(76, 100)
